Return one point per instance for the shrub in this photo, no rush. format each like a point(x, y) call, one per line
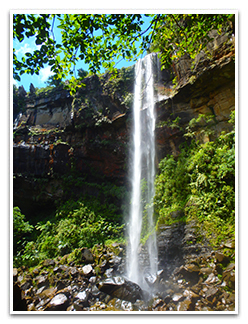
point(74, 226)
point(172, 185)
point(21, 230)
point(201, 182)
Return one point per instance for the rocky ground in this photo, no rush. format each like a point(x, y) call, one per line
point(192, 277)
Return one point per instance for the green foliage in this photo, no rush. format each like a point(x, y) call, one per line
point(75, 225)
point(212, 180)
point(171, 123)
point(44, 90)
point(30, 26)
point(18, 101)
point(202, 124)
point(21, 230)
point(101, 40)
point(180, 34)
point(120, 84)
point(105, 197)
point(53, 85)
point(116, 39)
point(172, 185)
point(82, 73)
point(201, 183)
point(54, 82)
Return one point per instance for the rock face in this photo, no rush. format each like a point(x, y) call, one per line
point(211, 92)
point(90, 134)
point(58, 134)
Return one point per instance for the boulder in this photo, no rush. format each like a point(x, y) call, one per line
point(229, 275)
point(206, 271)
point(211, 293)
point(59, 303)
point(185, 305)
point(87, 256)
point(48, 262)
point(221, 258)
point(121, 288)
point(87, 270)
point(177, 297)
point(189, 273)
point(47, 293)
point(81, 299)
point(74, 271)
point(230, 244)
point(42, 281)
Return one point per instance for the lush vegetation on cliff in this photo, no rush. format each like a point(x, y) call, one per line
point(200, 183)
point(197, 184)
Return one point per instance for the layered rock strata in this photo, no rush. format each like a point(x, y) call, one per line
point(91, 133)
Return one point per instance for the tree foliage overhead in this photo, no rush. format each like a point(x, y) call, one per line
point(182, 34)
point(101, 40)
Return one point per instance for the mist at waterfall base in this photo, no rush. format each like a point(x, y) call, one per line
point(143, 272)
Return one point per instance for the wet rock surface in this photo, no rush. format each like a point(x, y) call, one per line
point(121, 288)
point(194, 278)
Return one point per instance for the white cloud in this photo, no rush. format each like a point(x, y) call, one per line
point(27, 48)
point(24, 49)
point(15, 82)
point(45, 73)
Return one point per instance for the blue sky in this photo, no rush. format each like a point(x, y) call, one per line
point(28, 45)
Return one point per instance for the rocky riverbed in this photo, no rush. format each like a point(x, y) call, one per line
point(192, 277)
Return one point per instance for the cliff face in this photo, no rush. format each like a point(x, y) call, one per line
point(90, 134)
point(211, 91)
point(90, 130)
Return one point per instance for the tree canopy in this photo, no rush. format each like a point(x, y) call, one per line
point(101, 40)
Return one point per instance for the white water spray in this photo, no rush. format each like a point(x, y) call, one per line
point(143, 168)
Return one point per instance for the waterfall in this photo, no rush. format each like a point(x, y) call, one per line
point(17, 119)
point(143, 169)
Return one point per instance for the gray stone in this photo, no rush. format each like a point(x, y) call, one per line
point(87, 270)
point(81, 299)
point(58, 303)
point(177, 296)
point(92, 279)
point(121, 288)
point(42, 281)
point(109, 272)
point(21, 91)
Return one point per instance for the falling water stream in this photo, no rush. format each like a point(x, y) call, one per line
point(143, 170)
